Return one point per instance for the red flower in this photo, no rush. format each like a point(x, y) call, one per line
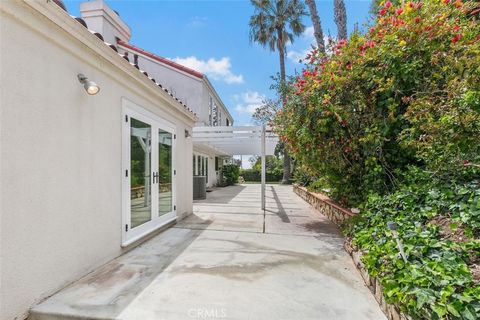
point(456, 38)
point(388, 4)
point(466, 162)
point(446, 1)
point(399, 11)
point(417, 19)
point(382, 12)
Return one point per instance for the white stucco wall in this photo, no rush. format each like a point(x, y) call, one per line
point(60, 156)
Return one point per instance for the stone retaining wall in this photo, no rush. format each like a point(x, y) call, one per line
point(391, 311)
point(324, 205)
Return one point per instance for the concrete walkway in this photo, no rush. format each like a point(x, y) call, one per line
point(218, 264)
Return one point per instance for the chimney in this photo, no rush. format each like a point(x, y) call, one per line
point(102, 19)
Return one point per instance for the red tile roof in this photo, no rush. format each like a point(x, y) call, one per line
point(161, 59)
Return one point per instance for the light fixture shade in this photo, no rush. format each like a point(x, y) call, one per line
point(90, 87)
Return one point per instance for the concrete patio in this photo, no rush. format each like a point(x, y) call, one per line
point(218, 264)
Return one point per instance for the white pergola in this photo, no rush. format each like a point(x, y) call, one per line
point(239, 140)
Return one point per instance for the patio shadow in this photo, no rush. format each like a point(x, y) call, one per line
point(281, 210)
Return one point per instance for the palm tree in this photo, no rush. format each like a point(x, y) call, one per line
point(317, 25)
point(273, 24)
point(340, 18)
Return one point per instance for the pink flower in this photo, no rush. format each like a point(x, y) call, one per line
point(388, 4)
point(399, 11)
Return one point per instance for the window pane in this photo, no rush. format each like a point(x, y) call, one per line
point(140, 164)
point(164, 172)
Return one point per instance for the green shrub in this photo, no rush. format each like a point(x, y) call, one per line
point(230, 174)
point(439, 225)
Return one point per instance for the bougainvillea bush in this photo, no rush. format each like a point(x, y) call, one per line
point(405, 93)
point(389, 121)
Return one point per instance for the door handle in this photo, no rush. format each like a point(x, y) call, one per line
point(155, 176)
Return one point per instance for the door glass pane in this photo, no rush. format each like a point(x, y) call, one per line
point(164, 172)
point(199, 164)
point(140, 164)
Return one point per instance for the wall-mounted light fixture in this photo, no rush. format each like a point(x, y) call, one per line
point(187, 133)
point(91, 87)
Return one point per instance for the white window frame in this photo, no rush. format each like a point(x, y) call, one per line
point(130, 235)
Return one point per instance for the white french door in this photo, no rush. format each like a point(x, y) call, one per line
point(148, 173)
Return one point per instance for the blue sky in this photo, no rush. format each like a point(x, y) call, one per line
point(213, 37)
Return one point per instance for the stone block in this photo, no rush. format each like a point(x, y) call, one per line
point(394, 313)
point(378, 291)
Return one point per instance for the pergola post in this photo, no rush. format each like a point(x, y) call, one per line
point(263, 167)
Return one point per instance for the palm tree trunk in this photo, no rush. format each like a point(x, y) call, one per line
point(286, 156)
point(340, 18)
point(317, 26)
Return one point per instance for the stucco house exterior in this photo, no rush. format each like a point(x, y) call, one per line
point(95, 154)
point(188, 85)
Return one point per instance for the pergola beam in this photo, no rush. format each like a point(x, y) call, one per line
point(241, 140)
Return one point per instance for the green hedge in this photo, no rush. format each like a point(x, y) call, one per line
point(254, 175)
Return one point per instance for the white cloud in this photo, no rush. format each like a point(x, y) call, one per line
point(216, 69)
point(296, 56)
point(197, 22)
point(308, 37)
point(248, 102)
point(308, 33)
